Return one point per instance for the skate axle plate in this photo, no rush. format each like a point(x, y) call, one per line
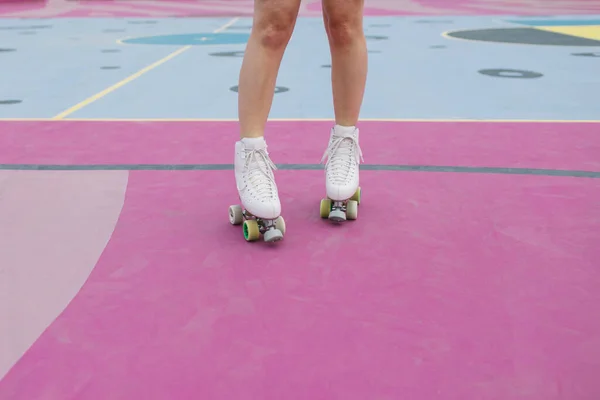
point(272, 230)
point(341, 210)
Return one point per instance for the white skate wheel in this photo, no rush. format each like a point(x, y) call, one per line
point(236, 215)
point(273, 235)
point(352, 209)
point(280, 224)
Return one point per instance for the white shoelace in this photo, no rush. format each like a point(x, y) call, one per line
point(260, 175)
point(342, 153)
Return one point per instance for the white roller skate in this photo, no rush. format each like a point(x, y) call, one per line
point(341, 175)
point(260, 210)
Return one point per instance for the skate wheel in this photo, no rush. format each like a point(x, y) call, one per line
point(352, 209)
point(236, 215)
point(280, 224)
point(356, 196)
point(273, 235)
point(325, 208)
point(251, 230)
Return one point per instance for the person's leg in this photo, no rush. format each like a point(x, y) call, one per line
point(344, 25)
point(272, 27)
point(273, 24)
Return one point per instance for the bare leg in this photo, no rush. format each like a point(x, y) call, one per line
point(273, 24)
point(344, 25)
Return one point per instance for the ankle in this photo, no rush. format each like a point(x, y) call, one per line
point(344, 130)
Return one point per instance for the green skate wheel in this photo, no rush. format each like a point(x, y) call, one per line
point(251, 230)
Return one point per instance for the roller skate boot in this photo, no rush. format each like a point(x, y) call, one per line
point(259, 213)
point(343, 156)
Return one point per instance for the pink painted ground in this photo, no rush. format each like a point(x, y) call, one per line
point(574, 146)
point(183, 8)
point(450, 286)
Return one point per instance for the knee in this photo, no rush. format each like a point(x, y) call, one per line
point(274, 28)
point(344, 28)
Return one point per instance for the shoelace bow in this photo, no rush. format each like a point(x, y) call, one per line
point(261, 178)
point(340, 158)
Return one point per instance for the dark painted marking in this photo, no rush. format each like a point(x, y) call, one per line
point(326, 66)
point(374, 51)
point(303, 167)
point(7, 50)
point(228, 54)
point(278, 89)
point(18, 28)
point(375, 37)
point(111, 67)
point(9, 102)
point(111, 51)
point(437, 47)
point(523, 36)
point(434, 21)
point(586, 54)
point(142, 22)
point(510, 73)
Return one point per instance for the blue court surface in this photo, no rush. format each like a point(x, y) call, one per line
point(417, 70)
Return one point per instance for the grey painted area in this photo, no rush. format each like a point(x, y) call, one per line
point(434, 21)
point(511, 73)
point(228, 54)
point(8, 27)
point(529, 36)
point(596, 54)
point(302, 167)
point(376, 37)
point(278, 89)
point(135, 22)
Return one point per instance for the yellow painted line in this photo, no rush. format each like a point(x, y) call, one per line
point(131, 78)
point(116, 86)
point(530, 121)
point(587, 32)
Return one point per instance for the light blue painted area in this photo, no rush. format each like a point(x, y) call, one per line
point(408, 79)
point(558, 22)
point(193, 39)
point(61, 66)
